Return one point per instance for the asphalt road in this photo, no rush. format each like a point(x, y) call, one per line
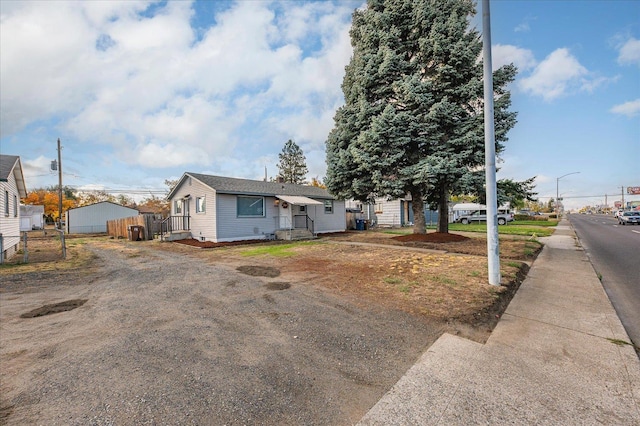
point(614, 251)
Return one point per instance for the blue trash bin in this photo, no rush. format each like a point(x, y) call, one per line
point(359, 224)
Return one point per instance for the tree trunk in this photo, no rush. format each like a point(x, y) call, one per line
point(443, 211)
point(419, 226)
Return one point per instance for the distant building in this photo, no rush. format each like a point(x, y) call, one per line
point(31, 217)
point(92, 219)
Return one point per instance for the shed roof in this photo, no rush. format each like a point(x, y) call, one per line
point(226, 185)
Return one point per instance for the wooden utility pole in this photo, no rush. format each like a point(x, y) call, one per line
point(59, 185)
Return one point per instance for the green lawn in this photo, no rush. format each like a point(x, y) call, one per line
point(526, 228)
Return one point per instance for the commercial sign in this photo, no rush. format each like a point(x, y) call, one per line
point(633, 190)
point(618, 204)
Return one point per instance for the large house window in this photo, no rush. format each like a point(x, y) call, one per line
point(15, 205)
point(328, 206)
point(200, 205)
point(177, 207)
point(250, 206)
point(6, 203)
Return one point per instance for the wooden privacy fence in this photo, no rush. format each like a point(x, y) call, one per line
point(119, 228)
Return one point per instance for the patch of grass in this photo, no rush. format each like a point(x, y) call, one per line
point(398, 232)
point(76, 258)
point(392, 280)
point(511, 229)
point(534, 222)
point(276, 250)
point(443, 280)
point(475, 274)
point(514, 264)
point(619, 342)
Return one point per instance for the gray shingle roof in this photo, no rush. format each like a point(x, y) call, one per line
point(6, 165)
point(228, 185)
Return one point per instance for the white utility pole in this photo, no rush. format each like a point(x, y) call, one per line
point(493, 244)
point(558, 190)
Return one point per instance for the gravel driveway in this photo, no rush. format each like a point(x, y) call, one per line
point(168, 338)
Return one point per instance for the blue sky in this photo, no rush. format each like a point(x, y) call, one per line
point(140, 91)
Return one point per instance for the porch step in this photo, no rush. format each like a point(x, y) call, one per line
point(294, 234)
point(176, 235)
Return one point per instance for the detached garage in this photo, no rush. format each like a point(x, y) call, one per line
point(31, 217)
point(93, 218)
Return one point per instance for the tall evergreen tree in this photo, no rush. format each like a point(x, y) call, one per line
point(292, 166)
point(412, 122)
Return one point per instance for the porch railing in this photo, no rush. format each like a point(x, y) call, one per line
point(173, 224)
point(303, 221)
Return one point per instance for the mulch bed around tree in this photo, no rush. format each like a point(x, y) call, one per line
point(433, 237)
point(210, 244)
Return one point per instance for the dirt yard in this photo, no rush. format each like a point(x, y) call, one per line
point(311, 333)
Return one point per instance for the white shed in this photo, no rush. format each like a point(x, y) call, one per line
point(93, 218)
point(31, 217)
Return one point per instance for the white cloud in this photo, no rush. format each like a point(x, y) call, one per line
point(504, 54)
point(630, 52)
point(141, 82)
point(555, 76)
point(630, 109)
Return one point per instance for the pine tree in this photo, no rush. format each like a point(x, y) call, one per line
point(412, 122)
point(292, 166)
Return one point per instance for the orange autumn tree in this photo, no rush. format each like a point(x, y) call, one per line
point(48, 197)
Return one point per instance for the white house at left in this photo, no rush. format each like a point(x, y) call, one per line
point(92, 219)
point(12, 188)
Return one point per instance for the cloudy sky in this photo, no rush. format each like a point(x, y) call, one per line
point(141, 91)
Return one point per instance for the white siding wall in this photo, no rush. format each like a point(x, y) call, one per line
point(9, 224)
point(388, 213)
point(234, 228)
point(93, 218)
point(203, 225)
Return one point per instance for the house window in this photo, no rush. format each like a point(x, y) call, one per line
point(328, 206)
point(303, 209)
point(250, 206)
point(177, 206)
point(378, 209)
point(15, 205)
point(6, 203)
point(200, 205)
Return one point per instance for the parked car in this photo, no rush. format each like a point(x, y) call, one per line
point(481, 216)
point(631, 218)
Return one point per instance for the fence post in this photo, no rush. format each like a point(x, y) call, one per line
point(26, 251)
point(64, 247)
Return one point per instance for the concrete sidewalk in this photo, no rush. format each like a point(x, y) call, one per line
point(554, 358)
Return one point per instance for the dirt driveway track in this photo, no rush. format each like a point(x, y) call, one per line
point(170, 338)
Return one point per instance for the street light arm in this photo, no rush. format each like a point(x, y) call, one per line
point(557, 190)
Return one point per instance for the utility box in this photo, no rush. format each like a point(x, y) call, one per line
point(136, 232)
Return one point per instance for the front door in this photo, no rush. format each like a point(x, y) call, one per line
point(185, 217)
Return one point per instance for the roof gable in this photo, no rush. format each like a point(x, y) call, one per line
point(11, 164)
point(226, 185)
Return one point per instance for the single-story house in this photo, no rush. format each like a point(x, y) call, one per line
point(219, 209)
point(31, 217)
point(12, 188)
point(93, 218)
point(386, 212)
